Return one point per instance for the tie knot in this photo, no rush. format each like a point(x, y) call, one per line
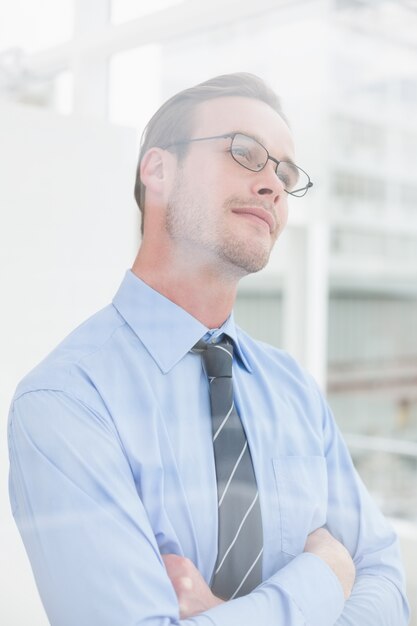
point(217, 357)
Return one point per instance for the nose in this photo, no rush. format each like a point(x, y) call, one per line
point(267, 183)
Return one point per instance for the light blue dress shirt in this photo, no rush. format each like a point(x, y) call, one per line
point(112, 465)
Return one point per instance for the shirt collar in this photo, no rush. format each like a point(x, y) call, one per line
point(167, 331)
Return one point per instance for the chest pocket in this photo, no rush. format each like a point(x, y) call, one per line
point(302, 493)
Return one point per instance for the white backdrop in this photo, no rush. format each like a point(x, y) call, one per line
point(68, 231)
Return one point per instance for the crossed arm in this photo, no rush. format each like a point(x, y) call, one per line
point(97, 561)
point(194, 595)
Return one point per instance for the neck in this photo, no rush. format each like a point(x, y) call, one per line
point(197, 286)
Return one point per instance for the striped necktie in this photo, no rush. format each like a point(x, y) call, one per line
point(238, 568)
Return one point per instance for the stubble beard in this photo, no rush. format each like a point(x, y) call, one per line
point(188, 220)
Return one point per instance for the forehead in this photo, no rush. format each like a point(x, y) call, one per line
point(247, 115)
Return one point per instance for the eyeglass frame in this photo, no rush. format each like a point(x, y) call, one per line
point(269, 158)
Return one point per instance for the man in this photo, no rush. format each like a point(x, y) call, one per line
point(119, 440)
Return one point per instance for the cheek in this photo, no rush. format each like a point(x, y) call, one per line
point(212, 178)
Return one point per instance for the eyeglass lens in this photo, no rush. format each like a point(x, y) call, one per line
point(252, 155)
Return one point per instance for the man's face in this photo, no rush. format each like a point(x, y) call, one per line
point(219, 210)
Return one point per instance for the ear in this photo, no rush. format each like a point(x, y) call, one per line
point(153, 169)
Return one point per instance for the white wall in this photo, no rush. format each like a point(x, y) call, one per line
point(68, 231)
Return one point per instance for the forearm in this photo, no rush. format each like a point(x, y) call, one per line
point(305, 591)
point(375, 601)
point(378, 596)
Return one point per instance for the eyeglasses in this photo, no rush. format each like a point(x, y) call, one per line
point(253, 156)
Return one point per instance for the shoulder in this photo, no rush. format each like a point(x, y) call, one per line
point(63, 368)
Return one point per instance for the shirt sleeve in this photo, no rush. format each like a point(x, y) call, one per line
point(378, 596)
point(90, 543)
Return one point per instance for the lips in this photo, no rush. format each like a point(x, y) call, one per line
point(259, 213)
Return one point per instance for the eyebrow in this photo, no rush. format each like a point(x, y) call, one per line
point(261, 141)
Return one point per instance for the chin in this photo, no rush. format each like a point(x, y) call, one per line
point(249, 263)
point(247, 256)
